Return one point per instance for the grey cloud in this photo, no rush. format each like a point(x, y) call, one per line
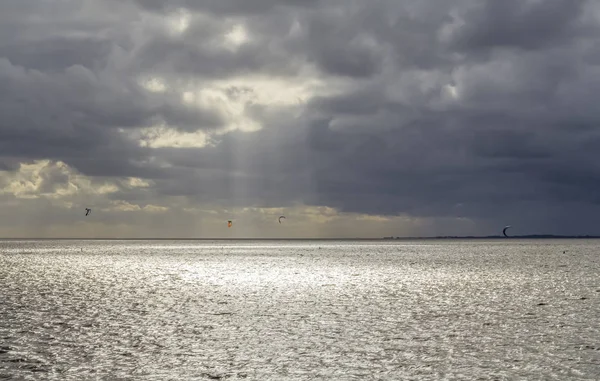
point(233, 7)
point(192, 59)
point(59, 53)
point(521, 24)
point(53, 179)
point(75, 113)
point(509, 144)
point(323, 37)
point(336, 46)
point(360, 39)
point(9, 164)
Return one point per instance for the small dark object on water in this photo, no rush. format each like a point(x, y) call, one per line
point(542, 304)
point(212, 376)
point(583, 298)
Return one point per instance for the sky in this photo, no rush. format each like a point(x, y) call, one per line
point(353, 118)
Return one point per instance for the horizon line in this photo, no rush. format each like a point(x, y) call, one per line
point(389, 238)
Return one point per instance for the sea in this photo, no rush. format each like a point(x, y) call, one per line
point(498, 309)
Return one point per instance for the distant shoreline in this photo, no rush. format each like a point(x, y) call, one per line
point(531, 236)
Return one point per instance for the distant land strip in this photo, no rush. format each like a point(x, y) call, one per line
point(531, 236)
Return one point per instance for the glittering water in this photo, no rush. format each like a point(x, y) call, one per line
point(300, 310)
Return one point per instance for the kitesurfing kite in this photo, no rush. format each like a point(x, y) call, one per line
point(504, 230)
point(87, 211)
point(280, 217)
point(229, 223)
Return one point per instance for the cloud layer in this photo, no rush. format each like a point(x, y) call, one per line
point(355, 117)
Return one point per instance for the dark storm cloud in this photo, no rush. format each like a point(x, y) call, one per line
point(230, 7)
point(477, 109)
point(74, 116)
point(357, 39)
point(522, 24)
point(336, 46)
point(59, 53)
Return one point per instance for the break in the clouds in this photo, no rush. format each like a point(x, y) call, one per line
point(352, 117)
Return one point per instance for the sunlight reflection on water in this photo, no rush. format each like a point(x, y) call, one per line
point(299, 310)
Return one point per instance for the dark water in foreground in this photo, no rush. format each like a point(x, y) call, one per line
point(428, 310)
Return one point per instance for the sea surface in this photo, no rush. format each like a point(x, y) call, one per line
point(300, 310)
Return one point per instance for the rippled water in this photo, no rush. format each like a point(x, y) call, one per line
point(299, 310)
